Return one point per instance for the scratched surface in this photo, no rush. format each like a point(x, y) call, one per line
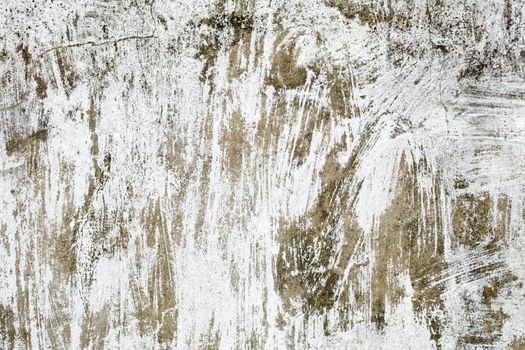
point(262, 174)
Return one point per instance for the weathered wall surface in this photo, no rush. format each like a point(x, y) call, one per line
point(262, 174)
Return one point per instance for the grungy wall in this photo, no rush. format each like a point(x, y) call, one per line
point(262, 174)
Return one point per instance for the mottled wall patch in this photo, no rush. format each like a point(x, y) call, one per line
point(262, 174)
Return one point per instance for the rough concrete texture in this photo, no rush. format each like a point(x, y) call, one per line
point(262, 174)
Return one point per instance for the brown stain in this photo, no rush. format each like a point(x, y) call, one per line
point(484, 324)
point(59, 297)
point(65, 252)
point(18, 143)
point(3, 55)
point(474, 67)
point(472, 222)
point(313, 116)
point(95, 328)
point(313, 119)
point(403, 242)
point(7, 327)
point(93, 115)
point(285, 71)
point(41, 87)
point(62, 251)
point(156, 306)
point(305, 268)
point(508, 16)
point(200, 227)
point(368, 13)
point(316, 249)
point(518, 343)
point(31, 247)
point(36, 219)
point(74, 221)
point(152, 221)
point(211, 340)
point(233, 141)
point(493, 323)
point(62, 256)
point(27, 58)
point(488, 316)
point(68, 76)
point(172, 153)
point(341, 96)
point(23, 304)
point(237, 25)
point(66, 238)
point(239, 53)
point(208, 53)
point(449, 30)
point(270, 127)
point(481, 221)
point(240, 48)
